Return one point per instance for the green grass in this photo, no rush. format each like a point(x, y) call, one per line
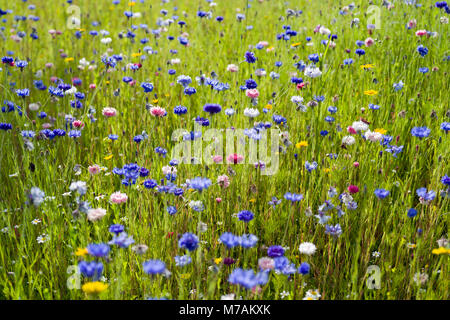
point(31, 270)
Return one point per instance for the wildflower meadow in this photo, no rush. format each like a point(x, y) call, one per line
point(227, 149)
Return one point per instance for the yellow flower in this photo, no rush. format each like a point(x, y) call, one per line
point(137, 54)
point(94, 287)
point(268, 107)
point(155, 101)
point(381, 130)
point(185, 276)
point(301, 144)
point(295, 44)
point(367, 66)
point(326, 170)
point(252, 200)
point(109, 157)
point(167, 94)
point(441, 250)
point(217, 260)
point(81, 252)
point(68, 59)
point(81, 29)
point(411, 245)
point(131, 3)
point(370, 92)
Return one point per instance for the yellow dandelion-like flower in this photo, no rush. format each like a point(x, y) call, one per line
point(380, 130)
point(131, 4)
point(81, 29)
point(69, 59)
point(370, 92)
point(167, 95)
point(81, 252)
point(94, 287)
point(217, 260)
point(185, 276)
point(137, 54)
point(268, 107)
point(252, 200)
point(108, 157)
point(301, 144)
point(326, 170)
point(296, 44)
point(155, 101)
point(107, 82)
point(441, 250)
point(367, 66)
point(411, 245)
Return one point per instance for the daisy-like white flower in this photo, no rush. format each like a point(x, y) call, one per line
point(307, 248)
point(36, 221)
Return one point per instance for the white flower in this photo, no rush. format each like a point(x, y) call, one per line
point(96, 214)
point(33, 106)
point(230, 296)
point(312, 72)
point(360, 126)
point(169, 170)
point(312, 295)
point(106, 40)
point(348, 140)
point(297, 99)
point(79, 186)
point(251, 113)
point(37, 196)
point(175, 61)
point(42, 238)
point(373, 136)
point(324, 30)
point(36, 221)
point(307, 248)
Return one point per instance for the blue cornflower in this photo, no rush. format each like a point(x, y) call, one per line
point(179, 110)
point(212, 108)
point(310, 166)
point(445, 126)
point(334, 231)
point(420, 132)
point(116, 228)
point(247, 278)
point(426, 195)
point(348, 61)
point(122, 240)
point(98, 250)
point(274, 202)
point(275, 251)
point(423, 70)
point(360, 52)
point(412, 213)
point(245, 215)
point(188, 241)
point(446, 180)
point(91, 269)
point(314, 58)
point(423, 51)
point(74, 134)
point(251, 84)
point(250, 57)
point(304, 268)
point(381, 193)
point(229, 239)
point(181, 261)
point(247, 241)
point(153, 267)
point(199, 183)
point(294, 197)
point(398, 86)
point(171, 210)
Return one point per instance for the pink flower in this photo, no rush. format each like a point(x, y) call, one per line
point(217, 159)
point(412, 23)
point(351, 130)
point(235, 158)
point(252, 93)
point(264, 43)
point(95, 169)
point(92, 86)
point(232, 68)
point(356, 164)
point(47, 125)
point(49, 65)
point(223, 181)
point(118, 197)
point(218, 200)
point(158, 111)
point(421, 33)
point(109, 112)
point(317, 28)
point(78, 124)
point(369, 42)
point(352, 189)
point(266, 263)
